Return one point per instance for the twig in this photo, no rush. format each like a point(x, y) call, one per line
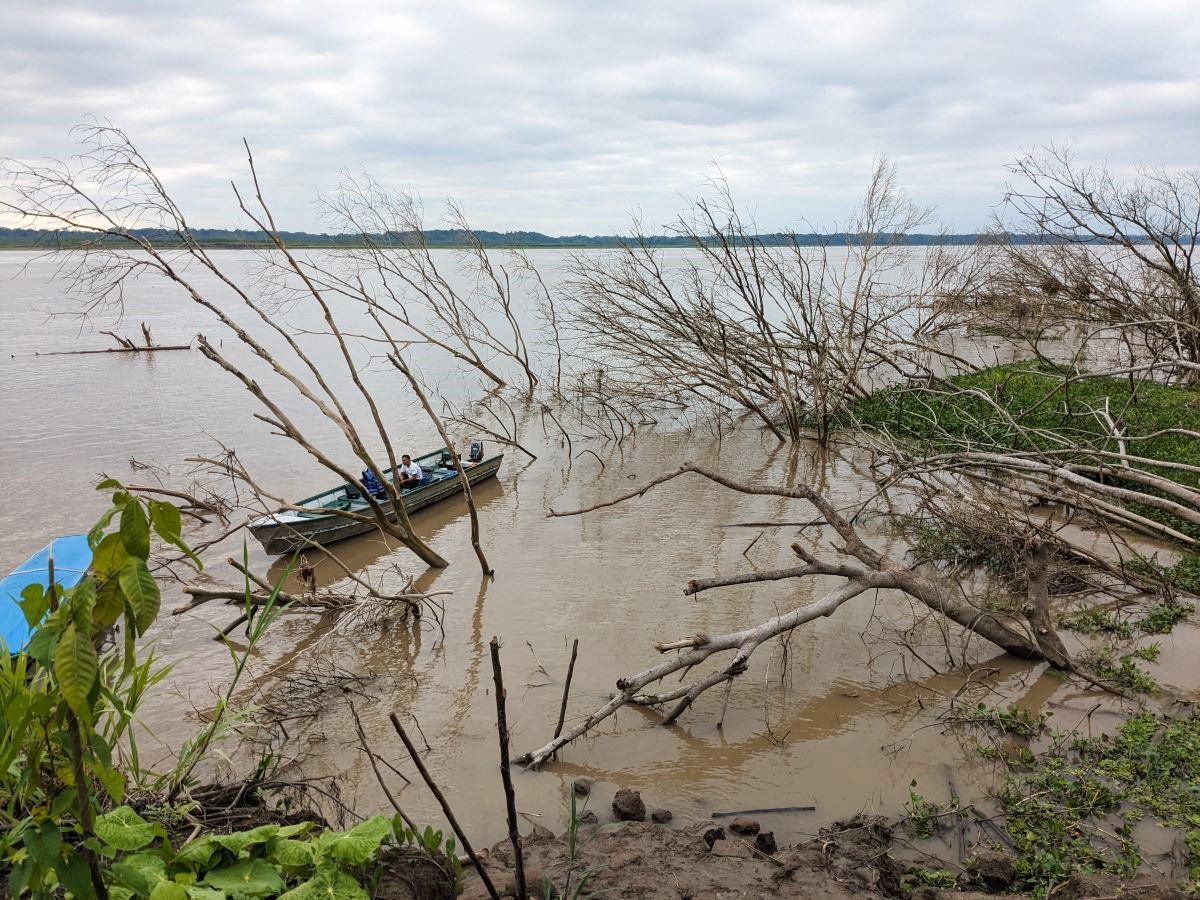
point(446, 810)
point(746, 552)
point(541, 668)
point(593, 452)
point(362, 737)
point(510, 801)
point(763, 811)
point(562, 710)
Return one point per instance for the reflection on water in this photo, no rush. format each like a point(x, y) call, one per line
point(831, 728)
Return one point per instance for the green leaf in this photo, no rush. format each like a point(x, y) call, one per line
point(43, 843)
point(75, 667)
point(109, 556)
point(64, 800)
point(290, 853)
point(124, 829)
point(287, 831)
point(135, 530)
point(34, 604)
point(82, 600)
point(108, 484)
point(110, 601)
point(328, 884)
point(247, 877)
point(167, 521)
point(199, 853)
point(168, 890)
point(97, 531)
point(141, 591)
point(18, 878)
point(358, 844)
point(73, 874)
point(141, 871)
point(238, 841)
point(200, 892)
point(113, 781)
point(42, 645)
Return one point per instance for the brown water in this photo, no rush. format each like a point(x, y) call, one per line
point(841, 727)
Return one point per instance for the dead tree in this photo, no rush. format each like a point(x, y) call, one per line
point(869, 571)
point(1077, 244)
point(115, 193)
point(779, 327)
point(397, 276)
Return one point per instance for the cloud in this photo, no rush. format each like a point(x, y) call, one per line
point(565, 117)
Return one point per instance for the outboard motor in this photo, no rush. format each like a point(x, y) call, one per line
point(475, 454)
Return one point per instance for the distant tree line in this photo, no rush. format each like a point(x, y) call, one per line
point(33, 238)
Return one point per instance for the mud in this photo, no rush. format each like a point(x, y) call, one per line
point(863, 857)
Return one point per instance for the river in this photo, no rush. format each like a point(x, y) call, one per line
point(846, 725)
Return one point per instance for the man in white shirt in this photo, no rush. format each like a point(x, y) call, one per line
point(410, 472)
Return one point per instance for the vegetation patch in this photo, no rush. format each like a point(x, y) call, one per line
point(1066, 415)
point(1074, 808)
point(1045, 400)
point(69, 764)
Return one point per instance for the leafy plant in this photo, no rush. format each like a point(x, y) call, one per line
point(1122, 670)
point(939, 878)
point(268, 861)
point(924, 815)
point(68, 708)
point(1090, 620)
point(1163, 617)
point(259, 619)
point(67, 752)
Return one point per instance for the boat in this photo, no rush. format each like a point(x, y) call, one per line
point(317, 522)
point(72, 556)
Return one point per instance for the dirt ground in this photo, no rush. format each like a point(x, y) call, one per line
point(853, 859)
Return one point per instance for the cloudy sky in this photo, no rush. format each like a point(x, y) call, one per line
point(567, 117)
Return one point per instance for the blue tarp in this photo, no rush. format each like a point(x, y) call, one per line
point(72, 557)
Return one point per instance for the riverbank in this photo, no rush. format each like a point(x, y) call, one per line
point(862, 857)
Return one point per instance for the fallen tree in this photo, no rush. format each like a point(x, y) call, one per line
point(1032, 637)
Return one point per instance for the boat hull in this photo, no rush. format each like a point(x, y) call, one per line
point(72, 557)
point(286, 533)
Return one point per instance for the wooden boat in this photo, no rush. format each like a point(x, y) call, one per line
point(319, 523)
point(72, 556)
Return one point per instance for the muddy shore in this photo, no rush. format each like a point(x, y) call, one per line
point(863, 857)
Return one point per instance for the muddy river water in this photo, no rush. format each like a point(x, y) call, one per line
point(830, 721)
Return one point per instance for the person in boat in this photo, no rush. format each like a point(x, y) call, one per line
point(410, 472)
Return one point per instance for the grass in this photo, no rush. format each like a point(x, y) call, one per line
point(1035, 397)
point(1053, 416)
